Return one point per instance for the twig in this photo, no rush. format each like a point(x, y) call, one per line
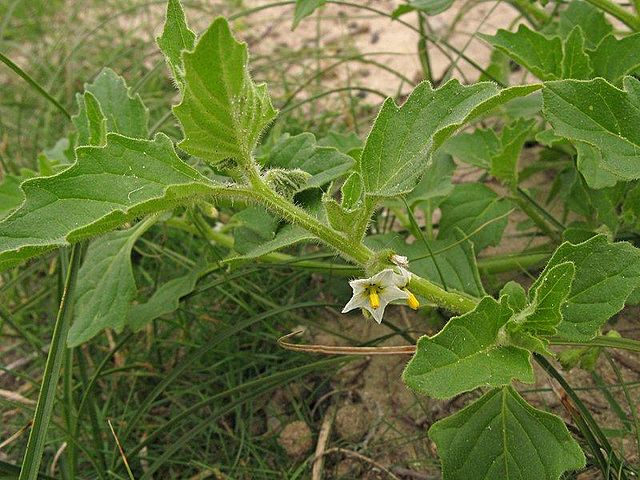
point(361, 457)
point(124, 457)
point(323, 440)
point(335, 350)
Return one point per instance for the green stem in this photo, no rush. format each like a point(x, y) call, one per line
point(453, 301)
point(617, 11)
point(529, 9)
point(509, 263)
point(350, 249)
point(423, 52)
point(44, 408)
point(532, 213)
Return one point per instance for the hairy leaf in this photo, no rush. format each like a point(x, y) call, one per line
point(90, 122)
point(613, 58)
point(222, 111)
point(501, 436)
point(125, 114)
point(602, 122)
point(175, 39)
point(589, 18)
point(474, 209)
point(605, 275)
point(106, 285)
point(402, 139)
point(468, 353)
point(106, 187)
point(539, 54)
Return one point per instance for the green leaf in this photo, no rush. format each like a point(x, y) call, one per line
point(547, 295)
point(286, 236)
point(105, 188)
point(516, 296)
point(125, 114)
point(468, 353)
point(501, 436)
point(343, 142)
point(541, 55)
point(165, 300)
point(605, 275)
point(475, 148)
point(10, 195)
point(106, 284)
point(429, 7)
point(253, 227)
point(324, 164)
point(473, 207)
point(575, 61)
point(436, 184)
point(602, 122)
point(304, 8)
point(175, 39)
point(497, 153)
point(402, 139)
point(589, 18)
point(90, 122)
point(613, 58)
point(222, 112)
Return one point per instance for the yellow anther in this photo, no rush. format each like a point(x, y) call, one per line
point(374, 298)
point(412, 301)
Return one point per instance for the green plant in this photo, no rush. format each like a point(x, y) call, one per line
point(294, 189)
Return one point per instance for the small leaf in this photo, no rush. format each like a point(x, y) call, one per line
point(590, 19)
point(125, 114)
point(175, 39)
point(547, 295)
point(106, 285)
point(343, 142)
point(429, 7)
point(286, 236)
point(501, 436)
point(324, 164)
point(605, 275)
point(539, 54)
point(475, 148)
point(253, 227)
point(165, 300)
point(105, 188)
point(602, 122)
point(90, 122)
point(468, 353)
point(304, 8)
point(516, 296)
point(222, 112)
point(613, 58)
point(575, 61)
point(473, 207)
point(402, 139)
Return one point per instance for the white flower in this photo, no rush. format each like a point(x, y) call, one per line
point(375, 293)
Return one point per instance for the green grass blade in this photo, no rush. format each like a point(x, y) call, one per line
point(36, 86)
point(44, 408)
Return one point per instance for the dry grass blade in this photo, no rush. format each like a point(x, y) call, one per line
point(337, 350)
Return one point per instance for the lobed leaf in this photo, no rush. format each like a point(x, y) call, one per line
point(222, 112)
point(402, 139)
point(605, 275)
point(468, 353)
point(602, 122)
point(589, 18)
point(124, 113)
point(105, 188)
point(613, 58)
point(501, 436)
